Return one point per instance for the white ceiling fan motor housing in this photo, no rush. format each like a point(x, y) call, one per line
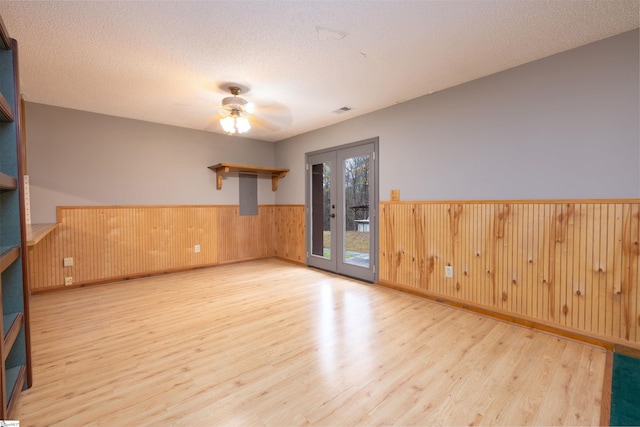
point(233, 102)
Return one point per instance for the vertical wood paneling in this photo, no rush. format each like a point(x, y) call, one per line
point(117, 242)
point(572, 264)
point(289, 232)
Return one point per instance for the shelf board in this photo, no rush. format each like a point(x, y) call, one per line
point(5, 40)
point(222, 169)
point(37, 232)
point(7, 182)
point(11, 323)
point(14, 384)
point(8, 254)
point(6, 112)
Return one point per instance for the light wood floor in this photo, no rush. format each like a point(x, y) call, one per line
point(269, 343)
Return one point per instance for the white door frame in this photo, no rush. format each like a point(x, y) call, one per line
point(336, 156)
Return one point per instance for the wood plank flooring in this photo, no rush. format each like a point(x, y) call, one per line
point(270, 343)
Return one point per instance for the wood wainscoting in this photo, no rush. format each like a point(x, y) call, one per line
point(570, 264)
point(109, 243)
point(289, 227)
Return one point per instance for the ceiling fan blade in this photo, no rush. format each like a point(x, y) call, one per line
point(263, 123)
point(272, 116)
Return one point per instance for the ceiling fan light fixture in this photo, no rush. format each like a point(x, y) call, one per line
point(235, 120)
point(242, 124)
point(235, 123)
point(233, 102)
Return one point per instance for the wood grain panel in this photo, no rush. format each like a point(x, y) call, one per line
point(289, 233)
point(115, 242)
point(572, 264)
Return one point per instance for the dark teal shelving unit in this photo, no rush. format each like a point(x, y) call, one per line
point(15, 374)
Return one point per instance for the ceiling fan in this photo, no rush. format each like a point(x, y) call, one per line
point(237, 115)
point(234, 114)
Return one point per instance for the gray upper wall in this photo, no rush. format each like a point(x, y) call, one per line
point(566, 126)
point(77, 158)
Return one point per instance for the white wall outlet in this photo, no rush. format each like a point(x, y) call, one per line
point(448, 271)
point(196, 248)
point(67, 262)
point(68, 281)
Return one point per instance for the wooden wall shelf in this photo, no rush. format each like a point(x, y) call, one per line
point(8, 255)
point(11, 324)
point(7, 182)
point(37, 232)
point(15, 377)
point(221, 169)
point(6, 113)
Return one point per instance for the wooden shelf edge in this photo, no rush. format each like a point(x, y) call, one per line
point(222, 169)
point(7, 182)
point(6, 112)
point(4, 36)
point(19, 373)
point(8, 256)
point(37, 232)
point(233, 167)
point(12, 333)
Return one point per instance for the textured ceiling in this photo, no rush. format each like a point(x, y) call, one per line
point(164, 62)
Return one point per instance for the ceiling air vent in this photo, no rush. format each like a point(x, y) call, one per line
point(342, 109)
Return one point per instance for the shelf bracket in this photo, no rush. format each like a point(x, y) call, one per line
point(274, 180)
point(220, 172)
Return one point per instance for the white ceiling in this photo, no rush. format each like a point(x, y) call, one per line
point(164, 61)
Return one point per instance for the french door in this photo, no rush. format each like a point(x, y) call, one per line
point(341, 210)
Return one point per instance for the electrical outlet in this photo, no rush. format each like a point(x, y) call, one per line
point(448, 271)
point(67, 262)
point(196, 248)
point(68, 281)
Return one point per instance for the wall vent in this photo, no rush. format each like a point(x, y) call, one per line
point(342, 109)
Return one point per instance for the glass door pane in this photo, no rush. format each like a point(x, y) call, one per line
point(356, 242)
point(321, 210)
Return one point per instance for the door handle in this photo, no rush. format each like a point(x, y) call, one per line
point(333, 215)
